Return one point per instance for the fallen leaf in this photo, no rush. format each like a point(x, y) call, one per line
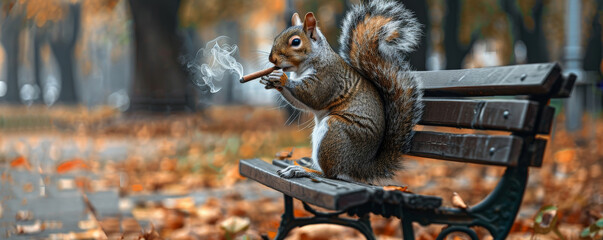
point(28, 187)
point(284, 155)
point(457, 201)
point(209, 214)
point(87, 224)
point(137, 187)
point(20, 162)
point(151, 234)
point(396, 188)
point(179, 203)
point(565, 155)
point(71, 165)
point(24, 215)
point(65, 184)
point(234, 225)
point(28, 229)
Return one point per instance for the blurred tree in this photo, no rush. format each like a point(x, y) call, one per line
point(593, 54)
point(12, 21)
point(38, 38)
point(62, 38)
point(418, 59)
point(465, 22)
point(527, 22)
point(160, 79)
point(329, 14)
point(454, 49)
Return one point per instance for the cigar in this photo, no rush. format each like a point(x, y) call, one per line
point(257, 74)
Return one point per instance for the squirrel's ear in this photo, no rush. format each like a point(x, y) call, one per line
point(295, 20)
point(310, 26)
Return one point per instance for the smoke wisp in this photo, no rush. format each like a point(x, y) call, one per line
point(213, 61)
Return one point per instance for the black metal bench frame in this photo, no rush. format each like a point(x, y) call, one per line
point(446, 104)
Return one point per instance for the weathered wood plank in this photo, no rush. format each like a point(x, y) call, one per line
point(319, 193)
point(378, 196)
point(507, 115)
point(481, 149)
point(528, 79)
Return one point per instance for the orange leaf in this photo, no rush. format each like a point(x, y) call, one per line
point(271, 234)
point(71, 165)
point(565, 155)
point(20, 161)
point(300, 213)
point(396, 188)
point(137, 187)
point(284, 155)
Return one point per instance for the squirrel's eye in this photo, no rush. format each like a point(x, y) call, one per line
point(295, 41)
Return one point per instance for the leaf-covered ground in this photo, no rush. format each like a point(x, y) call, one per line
point(176, 177)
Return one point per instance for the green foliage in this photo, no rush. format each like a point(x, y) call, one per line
point(546, 221)
point(594, 231)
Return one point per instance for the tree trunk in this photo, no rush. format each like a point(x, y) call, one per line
point(593, 55)
point(62, 42)
point(534, 39)
point(160, 80)
point(418, 59)
point(10, 42)
point(64, 56)
point(455, 51)
point(37, 64)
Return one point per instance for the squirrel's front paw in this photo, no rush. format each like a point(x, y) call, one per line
point(293, 172)
point(276, 79)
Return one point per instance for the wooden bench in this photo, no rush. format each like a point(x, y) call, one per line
point(511, 99)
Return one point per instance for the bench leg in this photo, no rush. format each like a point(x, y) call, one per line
point(289, 221)
point(286, 219)
point(496, 212)
point(408, 232)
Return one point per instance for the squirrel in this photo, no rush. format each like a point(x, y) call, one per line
point(365, 100)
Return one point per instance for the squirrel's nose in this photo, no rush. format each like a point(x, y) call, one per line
point(272, 57)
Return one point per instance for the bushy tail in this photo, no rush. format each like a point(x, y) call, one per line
point(375, 40)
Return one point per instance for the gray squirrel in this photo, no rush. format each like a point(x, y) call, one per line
point(365, 100)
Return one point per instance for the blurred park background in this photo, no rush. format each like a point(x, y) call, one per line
point(105, 131)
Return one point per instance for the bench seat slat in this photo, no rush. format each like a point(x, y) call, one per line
point(481, 149)
point(528, 79)
point(332, 194)
point(507, 115)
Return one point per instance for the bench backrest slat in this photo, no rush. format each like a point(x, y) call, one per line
point(529, 79)
point(496, 114)
point(483, 149)
point(450, 101)
point(506, 115)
